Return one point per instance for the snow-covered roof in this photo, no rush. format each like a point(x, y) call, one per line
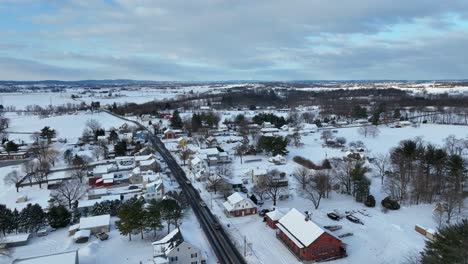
point(74, 227)
point(209, 151)
point(276, 214)
point(62, 258)
point(195, 161)
point(144, 157)
point(94, 221)
point(300, 231)
point(269, 130)
point(165, 245)
point(14, 239)
point(235, 198)
point(81, 234)
point(147, 162)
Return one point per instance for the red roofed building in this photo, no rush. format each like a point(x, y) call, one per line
point(307, 240)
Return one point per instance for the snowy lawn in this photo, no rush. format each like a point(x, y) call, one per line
point(67, 126)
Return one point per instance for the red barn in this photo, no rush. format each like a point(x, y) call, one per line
point(307, 240)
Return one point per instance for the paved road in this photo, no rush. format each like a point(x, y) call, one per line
point(224, 249)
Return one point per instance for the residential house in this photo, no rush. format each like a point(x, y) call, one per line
point(238, 205)
point(306, 239)
point(174, 249)
point(154, 190)
point(198, 167)
point(256, 174)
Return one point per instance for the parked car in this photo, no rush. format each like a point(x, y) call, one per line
point(260, 203)
point(203, 204)
point(102, 236)
point(263, 212)
point(244, 190)
point(132, 187)
point(333, 216)
point(42, 232)
point(188, 182)
point(353, 219)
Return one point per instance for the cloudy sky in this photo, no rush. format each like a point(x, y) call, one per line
point(233, 39)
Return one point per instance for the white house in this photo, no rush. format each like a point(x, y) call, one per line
point(199, 167)
point(175, 250)
point(154, 190)
point(238, 205)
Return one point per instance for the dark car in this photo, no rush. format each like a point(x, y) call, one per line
point(333, 216)
point(353, 219)
point(132, 187)
point(244, 190)
point(102, 236)
point(263, 212)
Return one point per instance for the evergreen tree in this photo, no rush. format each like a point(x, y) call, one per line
point(273, 145)
point(14, 224)
point(449, 245)
point(176, 121)
point(76, 213)
point(121, 148)
point(171, 212)
point(58, 216)
point(132, 218)
point(32, 218)
point(153, 216)
point(11, 146)
point(6, 219)
point(47, 133)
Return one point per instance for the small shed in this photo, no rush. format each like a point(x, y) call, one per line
point(15, 240)
point(95, 224)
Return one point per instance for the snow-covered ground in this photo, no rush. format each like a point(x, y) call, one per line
point(67, 126)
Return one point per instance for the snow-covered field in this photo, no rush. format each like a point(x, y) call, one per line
point(67, 126)
point(21, 100)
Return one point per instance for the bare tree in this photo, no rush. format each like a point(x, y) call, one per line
point(97, 152)
point(371, 131)
point(13, 178)
point(224, 170)
point(184, 150)
point(214, 182)
point(382, 162)
point(302, 175)
point(70, 191)
point(317, 188)
point(29, 168)
point(79, 173)
point(93, 125)
point(326, 135)
point(272, 183)
point(4, 123)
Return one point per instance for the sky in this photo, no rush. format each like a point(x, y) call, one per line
point(202, 40)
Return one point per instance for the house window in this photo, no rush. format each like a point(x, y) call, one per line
point(203, 262)
point(194, 262)
point(173, 259)
point(194, 255)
